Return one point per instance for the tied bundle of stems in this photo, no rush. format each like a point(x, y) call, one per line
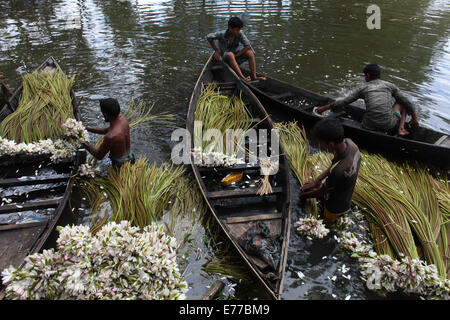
point(142, 193)
point(220, 112)
point(44, 106)
point(267, 167)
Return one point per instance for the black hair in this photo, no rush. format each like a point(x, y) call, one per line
point(235, 22)
point(373, 69)
point(110, 106)
point(329, 130)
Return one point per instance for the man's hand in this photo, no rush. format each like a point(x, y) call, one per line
point(217, 56)
point(321, 109)
point(309, 189)
point(413, 123)
point(310, 185)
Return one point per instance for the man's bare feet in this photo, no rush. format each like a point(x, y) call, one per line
point(402, 132)
point(259, 78)
point(247, 79)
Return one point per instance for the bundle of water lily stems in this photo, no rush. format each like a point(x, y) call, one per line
point(45, 104)
point(218, 111)
point(294, 140)
point(141, 193)
point(407, 207)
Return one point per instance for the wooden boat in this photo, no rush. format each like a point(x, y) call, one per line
point(280, 98)
point(236, 208)
point(32, 184)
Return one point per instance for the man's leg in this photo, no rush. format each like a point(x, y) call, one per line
point(252, 62)
point(231, 60)
point(401, 126)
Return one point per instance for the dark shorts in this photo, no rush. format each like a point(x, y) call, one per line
point(240, 60)
point(118, 162)
point(391, 128)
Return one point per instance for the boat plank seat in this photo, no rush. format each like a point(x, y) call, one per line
point(441, 140)
point(32, 180)
point(22, 225)
point(15, 244)
point(249, 192)
point(34, 205)
point(238, 167)
point(254, 218)
point(226, 84)
point(217, 67)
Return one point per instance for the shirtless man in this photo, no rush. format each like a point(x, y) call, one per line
point(229, 41)
point(341, 176)
point(117, 136)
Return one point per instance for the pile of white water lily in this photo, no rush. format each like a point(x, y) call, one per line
point(76, 130)
point(60, 150)
point(86, 170)
point(384, 274)
point(210, 159)
point(311, 227)
point(118, 262)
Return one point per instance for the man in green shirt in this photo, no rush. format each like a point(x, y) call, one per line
point(229, 41)
point(386, 105)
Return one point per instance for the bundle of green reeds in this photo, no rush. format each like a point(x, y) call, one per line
point(218, 111)
point(294, 140)
point(142, 193)
point(45, 104)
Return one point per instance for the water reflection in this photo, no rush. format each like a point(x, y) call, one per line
point(154, 51)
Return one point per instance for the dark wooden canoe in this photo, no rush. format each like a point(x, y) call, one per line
point(426, 145)
point(236, 207)
point(31, 185)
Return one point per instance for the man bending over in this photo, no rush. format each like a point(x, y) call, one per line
point(117, 136)
point(386, 105)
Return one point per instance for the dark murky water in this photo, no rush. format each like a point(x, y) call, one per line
point(154, 51)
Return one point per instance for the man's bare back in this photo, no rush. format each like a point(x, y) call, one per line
point(117, 137)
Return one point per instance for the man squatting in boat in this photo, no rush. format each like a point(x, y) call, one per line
point(229, 41)
point(117, 136)
point(337, 191)
point(386, 105)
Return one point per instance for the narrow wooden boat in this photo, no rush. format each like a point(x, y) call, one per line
point(33, 187)
point(237, 207)
point(426, 145)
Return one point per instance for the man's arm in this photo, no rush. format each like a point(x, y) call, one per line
point(245, 43)
point(244, 50)
point(315, 184)
point(314, 193)
point(210, 38)
point(401, 98)
point(351, 97)
point(101, 152)
point(97, 130)
point(315, 189)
